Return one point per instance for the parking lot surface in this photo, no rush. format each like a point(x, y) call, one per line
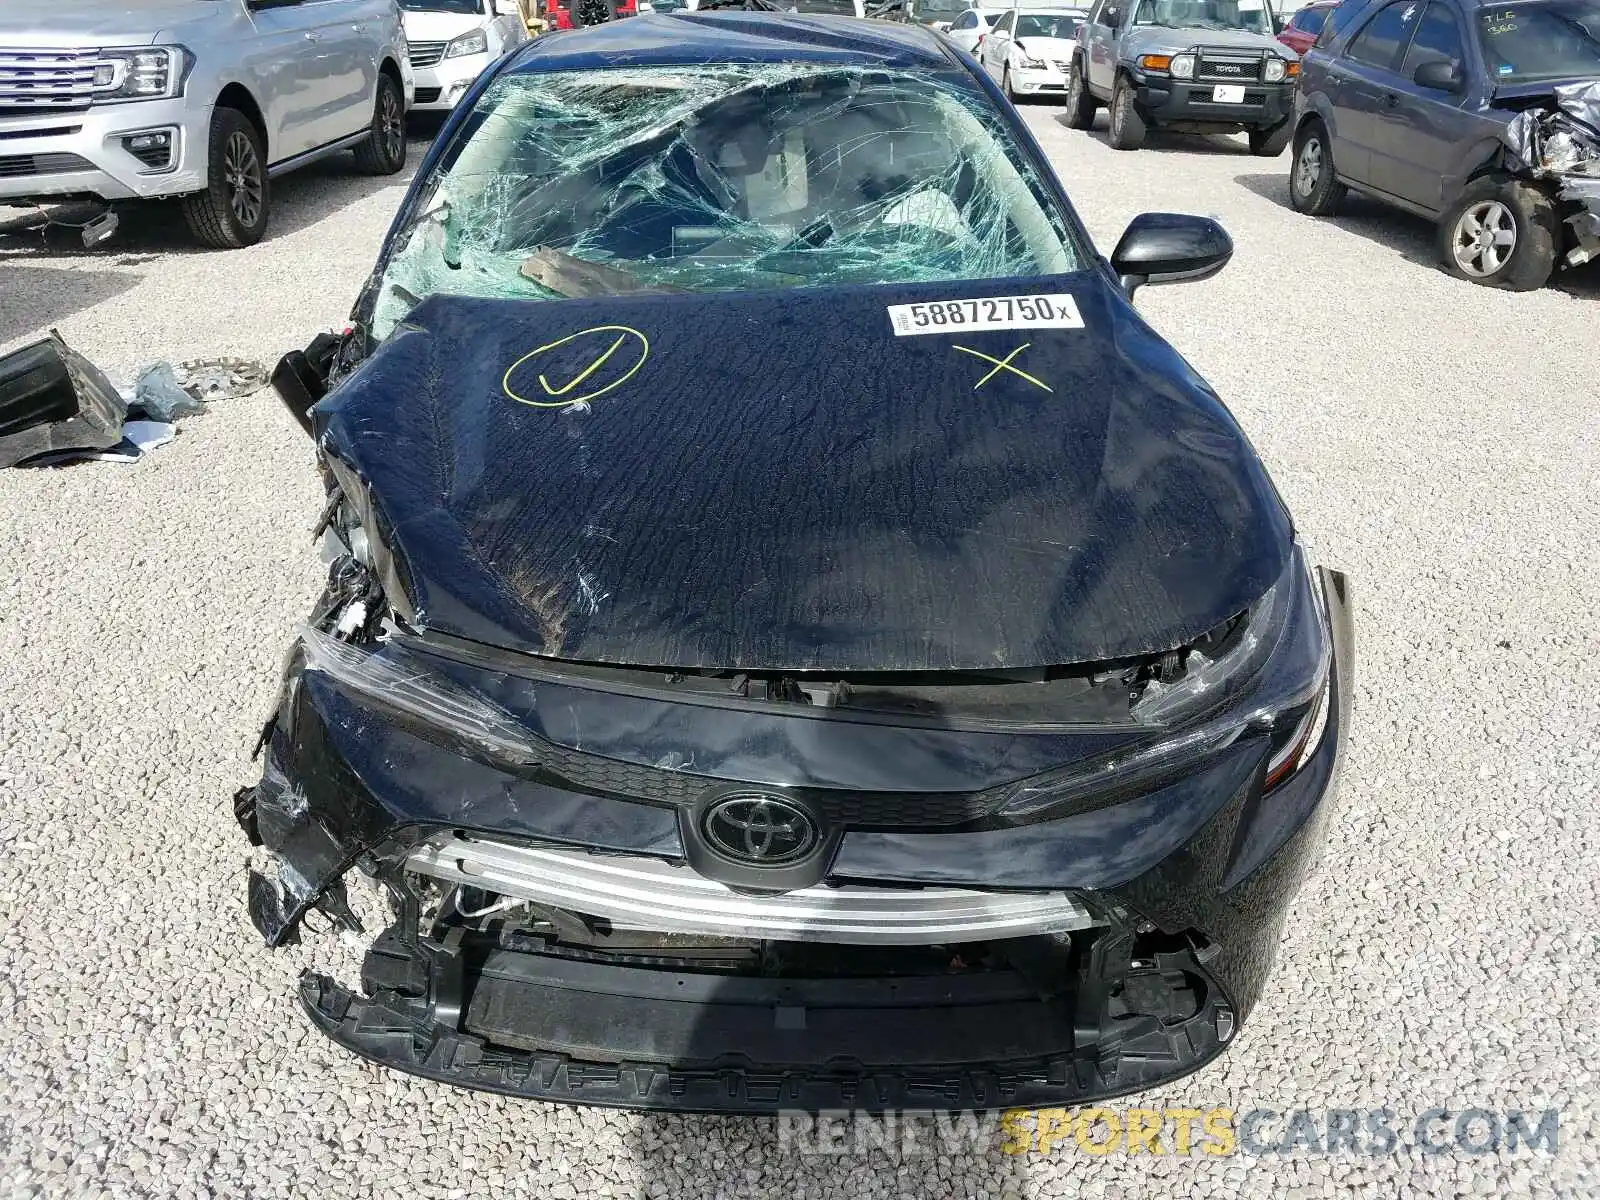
point(1436, 440)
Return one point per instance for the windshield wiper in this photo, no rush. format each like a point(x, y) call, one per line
point(567, 275)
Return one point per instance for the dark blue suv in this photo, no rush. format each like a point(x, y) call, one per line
point(1430, 105)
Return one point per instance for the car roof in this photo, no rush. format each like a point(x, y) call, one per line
point(702, 38)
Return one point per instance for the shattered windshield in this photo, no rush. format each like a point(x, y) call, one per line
point(1556, 40)
point(722, 178)
point(1250, 15)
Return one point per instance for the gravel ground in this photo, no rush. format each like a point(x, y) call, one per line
point(1435, 439)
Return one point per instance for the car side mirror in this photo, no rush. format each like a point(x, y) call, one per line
point(1112, 17)
point(1439, 76)
point(1170, 248)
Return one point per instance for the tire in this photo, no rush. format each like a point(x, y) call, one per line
point(384, 151)
point(1005, 85)
point(1314, 189)
point(1501, 233)
point(1080, 101)
point(1269, 143)
point(1127, 126)
point(232, 211)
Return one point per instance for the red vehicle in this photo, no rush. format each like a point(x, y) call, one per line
point(560, 13)
point(1301, 29)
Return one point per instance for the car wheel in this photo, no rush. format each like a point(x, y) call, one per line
point(1080, 104)
point(1501, 233)
point(1127, 126)
point(1313, 186)
point(232, 211)
point(1269, 143)
point(1005, 84)
point(384, 151)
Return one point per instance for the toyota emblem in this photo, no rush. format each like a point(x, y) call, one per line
point(760, 829)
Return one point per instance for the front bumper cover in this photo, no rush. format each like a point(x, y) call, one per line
point(81, 153)
point(1175, 103)
point(1192, 881)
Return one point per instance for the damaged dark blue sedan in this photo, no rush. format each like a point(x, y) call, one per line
point(794, 636)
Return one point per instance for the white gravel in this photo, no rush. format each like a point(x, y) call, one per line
point(1435, 439)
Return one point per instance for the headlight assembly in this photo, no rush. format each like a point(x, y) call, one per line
point(476, 42)
point(1270, 675)
point(140, 73)
point(1182, 66)
point(1275, 70)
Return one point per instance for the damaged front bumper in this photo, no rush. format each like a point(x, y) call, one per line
point(1559, 147)
point(552, 937)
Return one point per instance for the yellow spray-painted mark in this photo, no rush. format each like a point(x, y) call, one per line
point(1003, 364)
point(561, 396)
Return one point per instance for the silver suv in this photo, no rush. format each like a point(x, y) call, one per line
point(207, 100)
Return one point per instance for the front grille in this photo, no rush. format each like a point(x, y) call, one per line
point(157, 158)
point(427, 95)
point(46, 80)
point(1252, 99)
point(425, 54)
point(1219, 68)
point(52, 131)
point(845, 809)
point(19, 166)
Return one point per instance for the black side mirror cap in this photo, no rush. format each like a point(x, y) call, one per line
point(1112, 17)
point(301, 377)
point(1170, 248)
point(1439, 76)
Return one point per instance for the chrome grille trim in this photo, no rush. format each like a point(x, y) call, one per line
point(46, 80)
point(426, 54)
point(651, 894)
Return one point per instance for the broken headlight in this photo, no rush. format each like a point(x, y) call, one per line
point(1271, 674)
point(140, 73)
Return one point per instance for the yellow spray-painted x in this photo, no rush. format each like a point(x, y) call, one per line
point(1003, 364)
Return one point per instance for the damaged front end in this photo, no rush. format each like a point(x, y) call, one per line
point(1557, 144)
point(793, 637)
point(564, 923)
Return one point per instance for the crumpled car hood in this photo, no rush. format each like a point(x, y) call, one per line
point(775, 480)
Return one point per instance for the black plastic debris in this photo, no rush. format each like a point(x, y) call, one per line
point(53, 399)
point(1562, 145)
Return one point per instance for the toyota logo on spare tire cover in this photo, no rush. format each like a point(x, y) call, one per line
point(760, 829)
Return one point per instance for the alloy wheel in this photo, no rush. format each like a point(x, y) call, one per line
point(1485, 238)
point(1309, 169)
point(391, 123)
point(241, 171)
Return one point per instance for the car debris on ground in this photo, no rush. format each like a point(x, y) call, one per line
point(57, 407)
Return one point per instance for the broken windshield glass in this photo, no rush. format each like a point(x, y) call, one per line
point(723, 178)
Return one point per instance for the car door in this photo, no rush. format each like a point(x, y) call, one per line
point(997, 44)
point(1359, 81)
point(1102, 47)
point(350, 32)
point(964, 31)
point(282, 65)
point(1424, 133)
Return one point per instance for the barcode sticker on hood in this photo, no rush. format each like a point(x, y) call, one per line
point(1058, 311)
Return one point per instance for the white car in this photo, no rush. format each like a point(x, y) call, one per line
point(968, 30)
point(1030, 52)
point(452, 41)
